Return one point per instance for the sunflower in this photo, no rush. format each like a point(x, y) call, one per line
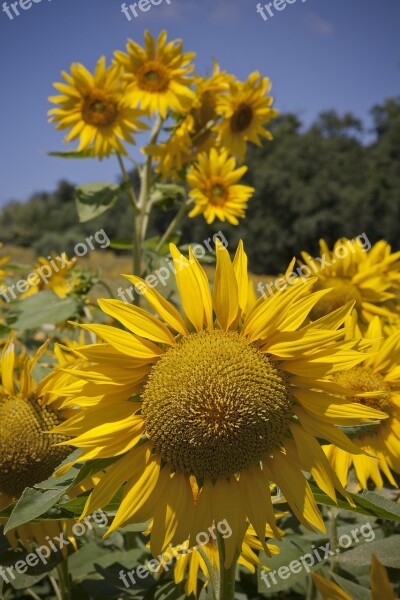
point(27, 454)
point(245, 112)
point(215, 190)
point(235, 401)
point(158, 74)
point(96, 108)
point(59, 280)
point(380, 585)
point(371, 278)
point(374, 383)
point(193, 133)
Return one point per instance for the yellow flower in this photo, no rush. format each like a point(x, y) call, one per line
point(245, 111)
point(96, 108)
point(375, 383)
point(193, 133)
point(157, 74)
point(27, 454)
point(232, 396)
point(215, 190)
point(371, 278)
point(57, 279)
point(381, 587)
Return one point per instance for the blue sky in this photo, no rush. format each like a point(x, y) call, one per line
point(319, 54)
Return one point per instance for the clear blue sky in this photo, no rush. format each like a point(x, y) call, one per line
point(319, 54)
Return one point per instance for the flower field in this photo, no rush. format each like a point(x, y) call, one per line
point(172, 425)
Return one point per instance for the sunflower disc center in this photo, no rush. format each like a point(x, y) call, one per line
point(214, 405)
point(241, 118)
point(343, 292)
point(99, 109)
point(26, 452)
point(153, 77)
point(364, 379)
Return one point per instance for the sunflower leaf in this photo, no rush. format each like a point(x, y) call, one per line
point(94, 199)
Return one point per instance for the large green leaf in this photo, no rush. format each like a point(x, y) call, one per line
point(94, 199)
point(32, 504)
point(41, 309)
point(387, 551)
point(289, 566)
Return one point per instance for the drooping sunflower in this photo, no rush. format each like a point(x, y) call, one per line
point(59, 280)
point(231, 396)
point(158, 74)
point(193, 133)
point(27, 452)
point(96, 108)
point(245, 111)
point(213, 180)
point(380, 585)
point(371, 277)
point(374, 383)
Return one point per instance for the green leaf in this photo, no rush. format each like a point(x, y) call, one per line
point(72, 154)
point(366, 503)
point(123, 244)
point(32, 504)
point(94, 199)
point(43, 308)
point(166, 194)
point(387, 551)
point(152, 243)
point(359, 430)
point(356, 591)
point(285, 569)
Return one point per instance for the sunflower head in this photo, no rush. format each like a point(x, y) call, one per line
point(96, 109)
point(215, 189)
point(352, 270)
point(245, 111)
point(27, 454)
point(208, 406)
point(158, 74)
point(374, 383)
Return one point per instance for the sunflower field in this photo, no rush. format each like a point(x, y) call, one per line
point(182, 429)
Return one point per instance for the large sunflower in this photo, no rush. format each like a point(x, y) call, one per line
point(158, 74)
point(370, 277)
point(215, 189)
point(375, 383)
point(96, 108)
point(235, 401)
point(245, 112)
point(27, 453)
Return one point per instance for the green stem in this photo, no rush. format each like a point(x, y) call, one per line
point(106, 287)
point(136, 252)
point(211, 572)
point(334, 545)
point(64, 579)
point(227, 576)
point(172, 226)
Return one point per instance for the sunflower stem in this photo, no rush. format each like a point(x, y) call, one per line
point(227, 576)
point(333, 535)
point(64, 580)
point(213, 576)
point(171, 227)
